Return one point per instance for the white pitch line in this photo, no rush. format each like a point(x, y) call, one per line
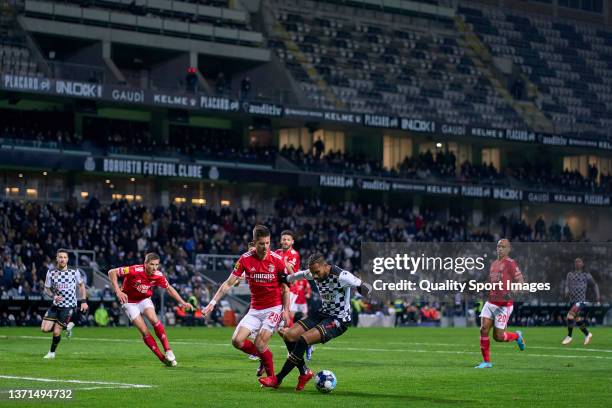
point(330, 347)
point(122, 385)
point(592, 350)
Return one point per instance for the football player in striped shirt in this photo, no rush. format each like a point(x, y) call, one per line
point(576, 285)
point(61, 284)
point(331, 321)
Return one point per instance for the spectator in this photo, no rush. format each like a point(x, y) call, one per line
point(245, 89)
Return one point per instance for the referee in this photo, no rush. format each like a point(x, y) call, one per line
point(60, 284)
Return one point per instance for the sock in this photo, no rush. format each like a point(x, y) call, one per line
point(268, 362)
point(161, 335)
point(570, 327)
point(302, 367)
point(510, 336)
point(295, 359)
point(54, 342)
point(150, 342)
point(485, 344)
point(249, 348)
point(583, 327)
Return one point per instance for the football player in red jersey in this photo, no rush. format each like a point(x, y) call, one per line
point(300, 289)
point(291, 257)
point(135, 297)
point(269, 297)
point(497, 310)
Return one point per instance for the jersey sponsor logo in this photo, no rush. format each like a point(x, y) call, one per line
point(65, 285)
point(263, 277)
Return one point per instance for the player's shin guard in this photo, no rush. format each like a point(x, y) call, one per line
point(249, 348)
point(160, 332)
point(150, 342)
point(583, 327)
point(570, 327)
point(54, 342)
point(485, 345)
point(510, 336)
point(295, 359)
point(302, 367)
point(268, 362)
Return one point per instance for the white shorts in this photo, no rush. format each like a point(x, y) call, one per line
point(292, 299)
point(299, 307)
point(264, 319)
point(499, 314)
point(133, 310)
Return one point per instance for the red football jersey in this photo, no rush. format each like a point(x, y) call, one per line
point(291, 257)
point(506, 271)
point(262, 275)
point(302, 289)
point(138, 285)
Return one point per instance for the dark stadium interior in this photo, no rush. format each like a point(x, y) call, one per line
point(175, 126)
point(434, 178)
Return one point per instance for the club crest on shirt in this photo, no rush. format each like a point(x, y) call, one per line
point(271, 268)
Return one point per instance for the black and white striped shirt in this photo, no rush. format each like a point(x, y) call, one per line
point(335, 291)
point(576, 285)
point(64, 283)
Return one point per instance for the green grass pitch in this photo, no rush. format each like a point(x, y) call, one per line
point(408, 367)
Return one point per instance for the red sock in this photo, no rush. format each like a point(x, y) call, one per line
point(150, 342)
point(485, 344)
point(161, 335)
point(268, 362)
point(249, 348)
point(510, 336)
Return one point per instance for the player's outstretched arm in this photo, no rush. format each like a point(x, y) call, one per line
point(176, 296)
point(112, 275)
point(223, 289)
point(348, 279)
point(296, 276)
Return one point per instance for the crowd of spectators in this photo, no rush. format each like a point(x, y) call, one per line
point(443, 166)
point(55, 129)
point(50, 129)
point(120, 233)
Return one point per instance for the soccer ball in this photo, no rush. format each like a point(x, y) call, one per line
point(325, 381)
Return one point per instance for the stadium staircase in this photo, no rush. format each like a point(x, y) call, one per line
point(312, 72)
point(483, 60)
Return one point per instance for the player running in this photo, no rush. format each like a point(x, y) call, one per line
point(60, 284)
point(331, 321)
point(300, 289)
point(576, 288)
point(291, 257)
point(135, 297)
point(497, 310)
point(263, 270)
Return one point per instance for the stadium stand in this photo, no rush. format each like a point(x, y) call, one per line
point(442, 165)
point(570, 63)
point(412, 66)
